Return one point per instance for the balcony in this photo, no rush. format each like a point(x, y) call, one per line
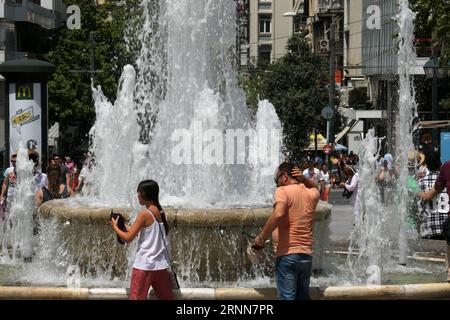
point(330, 6)
point(27, 11)
point(265, 5)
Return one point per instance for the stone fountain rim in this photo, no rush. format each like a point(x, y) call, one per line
point(255, 216)
point(381, 292)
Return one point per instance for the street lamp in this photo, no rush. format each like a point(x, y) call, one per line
point(432, 70)
point(429, 68)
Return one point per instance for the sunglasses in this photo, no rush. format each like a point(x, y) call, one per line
point(277, 178)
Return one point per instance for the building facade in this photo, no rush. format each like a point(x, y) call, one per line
point(23, 25)
point(269, 29)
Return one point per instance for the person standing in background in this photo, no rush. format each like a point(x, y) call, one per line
point(440, 195)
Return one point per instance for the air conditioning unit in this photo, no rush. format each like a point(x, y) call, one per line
point(324, 46)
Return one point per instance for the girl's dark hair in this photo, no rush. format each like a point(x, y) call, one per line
point(54, 180)
point(433, 160)
point(149, 190)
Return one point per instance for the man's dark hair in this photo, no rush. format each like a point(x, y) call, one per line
point(287, 167)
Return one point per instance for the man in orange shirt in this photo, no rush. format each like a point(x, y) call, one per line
point(291, 225)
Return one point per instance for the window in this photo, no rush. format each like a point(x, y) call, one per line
point(300, 23)
point(264, 55)
point(264, 23)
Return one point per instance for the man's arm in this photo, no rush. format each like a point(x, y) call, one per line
point(278, 212)
point(427, 196)
point(439, 185)
point(38, 198)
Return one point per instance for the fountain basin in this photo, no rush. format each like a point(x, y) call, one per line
point(392, 292)
point(208, 245)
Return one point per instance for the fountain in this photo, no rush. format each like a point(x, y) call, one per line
point(181, 119)
point(382, 231)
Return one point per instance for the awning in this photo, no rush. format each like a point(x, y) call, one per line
point(434, 124)
point(321, 142)
point(346, 130)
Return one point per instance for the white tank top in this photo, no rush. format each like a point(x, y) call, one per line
point(151, 253)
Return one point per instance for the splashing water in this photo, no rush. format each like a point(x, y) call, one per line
point(382, 222)
point(181, 118)
point(376, 226)
point(18, 238)
point(407, 112)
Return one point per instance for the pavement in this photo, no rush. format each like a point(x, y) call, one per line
point(341, 226)
point(342, 219)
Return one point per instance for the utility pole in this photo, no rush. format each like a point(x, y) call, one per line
point(332, 84)
point(92, 59)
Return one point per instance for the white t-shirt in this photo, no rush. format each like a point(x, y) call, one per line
point(325, 176)
point(313, 175)
point(40, 180)
point(353, 186)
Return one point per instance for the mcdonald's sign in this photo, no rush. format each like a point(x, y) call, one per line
point(24, 91)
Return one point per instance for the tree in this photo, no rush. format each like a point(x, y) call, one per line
point(432, 20)
point(296, 86)
point(70, 94)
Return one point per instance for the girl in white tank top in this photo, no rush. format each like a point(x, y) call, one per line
point(151, 263)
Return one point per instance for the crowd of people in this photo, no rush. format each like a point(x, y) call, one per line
point(328, 176)
point(299, 189)
point(62, 179)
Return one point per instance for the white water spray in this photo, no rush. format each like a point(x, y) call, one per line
point(407, 107)
point(18, 239)
point(381, 224)
point(188, 84)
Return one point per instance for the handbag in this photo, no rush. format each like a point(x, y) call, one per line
point(120, 224)
point(172, 274)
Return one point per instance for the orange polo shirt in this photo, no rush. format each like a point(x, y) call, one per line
point(295, 230)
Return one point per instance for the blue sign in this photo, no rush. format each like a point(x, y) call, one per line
point(327, 113)
point(445, 147)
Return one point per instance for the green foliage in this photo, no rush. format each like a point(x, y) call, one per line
point(295, 85)
point(432, 21)
point(70, 94)
point(251, 81)
point(445, 104)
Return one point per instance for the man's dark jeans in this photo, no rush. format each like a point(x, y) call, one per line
point(292, 276)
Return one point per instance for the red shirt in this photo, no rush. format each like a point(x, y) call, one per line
point(443, 180)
